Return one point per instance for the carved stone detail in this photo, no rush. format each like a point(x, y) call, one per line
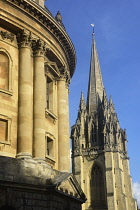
point(39, 47)
point(51, 26)
point(65, 75)
point(7, 35)
point(24, 39)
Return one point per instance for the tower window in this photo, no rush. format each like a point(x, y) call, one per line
point(93, 135)
point(98, 191)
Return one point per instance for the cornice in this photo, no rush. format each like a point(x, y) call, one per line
point(44, 18)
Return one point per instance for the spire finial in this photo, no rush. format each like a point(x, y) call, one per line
point(58, 17)
point(93, 28)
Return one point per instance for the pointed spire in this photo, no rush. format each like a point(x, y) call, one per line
point(110, 100)
point(95, 85)
point(111, 104)
point(82, 102)
point(104, 99)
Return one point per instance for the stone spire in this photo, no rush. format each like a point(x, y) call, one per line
point(95, 85)
point(82, 102)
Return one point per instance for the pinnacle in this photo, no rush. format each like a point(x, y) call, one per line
point(82, 101)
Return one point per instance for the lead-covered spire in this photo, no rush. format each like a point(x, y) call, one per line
point(95, 85)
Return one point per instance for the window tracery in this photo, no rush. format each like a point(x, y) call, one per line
point(98, 191)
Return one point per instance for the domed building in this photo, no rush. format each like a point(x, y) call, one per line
point(37, 61)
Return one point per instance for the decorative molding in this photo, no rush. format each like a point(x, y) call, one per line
point(24, 39)
point(92, 154)
point(50, 160)
point(48, 21)
point(39, 47)
point(65, 75)
point(52, 68)
point(48, 134)
point(7, 35)
point(50, 114)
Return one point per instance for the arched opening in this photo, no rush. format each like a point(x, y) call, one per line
point(4, 71)
point(98, 188)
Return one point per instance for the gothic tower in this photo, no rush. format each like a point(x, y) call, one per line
point(99, 153)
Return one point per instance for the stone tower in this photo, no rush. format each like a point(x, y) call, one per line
point(99, 153)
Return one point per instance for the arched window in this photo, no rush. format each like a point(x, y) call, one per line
point(98, 189)
point(94, 135)
point(4, 71)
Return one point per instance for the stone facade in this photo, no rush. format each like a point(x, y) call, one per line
point(25, 184)
point(99, 153)
point(37, 61)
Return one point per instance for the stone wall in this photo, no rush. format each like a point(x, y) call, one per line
point(29, 185)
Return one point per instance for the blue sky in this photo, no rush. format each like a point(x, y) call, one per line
point(117, 27)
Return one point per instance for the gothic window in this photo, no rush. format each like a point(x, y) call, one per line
point(49, 93)
point(98, 191)
point(93, 135)
point(4, 71)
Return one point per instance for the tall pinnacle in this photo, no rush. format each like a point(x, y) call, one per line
point(95, 85)
point(82, 102)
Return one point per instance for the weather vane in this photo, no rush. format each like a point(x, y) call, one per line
point(92, 27)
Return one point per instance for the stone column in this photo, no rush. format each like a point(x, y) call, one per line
point(63, 126)
point(25, 115)
point(39, 102)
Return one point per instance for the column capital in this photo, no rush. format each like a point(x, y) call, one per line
point(39, 48)
point(65, 75)
point(24, 39)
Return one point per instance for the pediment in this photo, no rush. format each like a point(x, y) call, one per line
point(68, 184)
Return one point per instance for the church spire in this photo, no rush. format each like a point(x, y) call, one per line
point(95, 85)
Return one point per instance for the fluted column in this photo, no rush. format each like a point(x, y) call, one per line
point(25, 117)
point(39, 102)
point(63, 126)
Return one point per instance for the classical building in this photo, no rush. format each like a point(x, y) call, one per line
point(99, 153)
point(37, 61)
